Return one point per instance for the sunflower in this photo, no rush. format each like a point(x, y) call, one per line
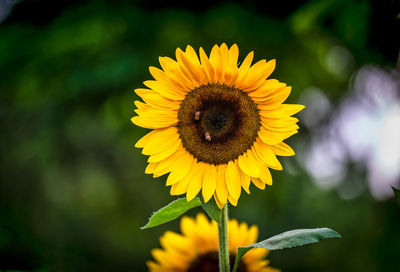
point(197, 248)
point(217, 126)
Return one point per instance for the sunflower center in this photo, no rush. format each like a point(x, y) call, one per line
point(208, 262)
point(217, 123)
point(218, 120)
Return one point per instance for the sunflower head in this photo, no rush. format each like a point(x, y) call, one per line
point(196, 249)
point(216, 126)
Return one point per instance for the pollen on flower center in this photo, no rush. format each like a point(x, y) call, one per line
point(217, 123)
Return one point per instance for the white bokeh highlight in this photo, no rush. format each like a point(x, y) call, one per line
point(363, 130)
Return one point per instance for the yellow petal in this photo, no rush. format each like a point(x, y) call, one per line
point(267, 90)
point(160, 172)
point(162, 76)
point(219, 203)
point(160, 114)
point(142, 107)
point(158, 141)
point(157, 101)
point(155, 135)
point(215, 60)
point(233, 233)
point(152, 124)
point(209, 182)
point(154, 267)
point(257, 75)
point(188, 227)
point(282, 149)
point(167, 259)
point(233, 55)
point(207, 66)
point(180, 187)
point(233, 181)
point(181, 168)
point(247, 61)
point(141, 91)
point(221, 189)
point(231, 69)
point(224, 53)
point(168, 151)
point(266, 154)
point(286, 110)
point(280, 96)
point(248, 165)
point(244, 241)
point(265, 176)
point(196, 182)
point(279, 122)
point(206, 233)
point(154, 117)
point(273, 137)
point(166, 90)
point(192, 55)
point(150, 168)
point(245, 181)
point(167, 165)
point(224, 61)
point(258, 183)
point(173, 70)
point(231, 75)
point(172, 241)
point(262, 165)
point(280, 129)
point(195, 72)
point(253, 234)
point(232, 200)
point(244, 68)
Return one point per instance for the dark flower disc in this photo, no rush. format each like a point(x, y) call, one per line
point(218, 123)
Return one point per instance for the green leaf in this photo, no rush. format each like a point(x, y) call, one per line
point(172, 211)
point(396, 195)
point(212, 209)
point(288, 239)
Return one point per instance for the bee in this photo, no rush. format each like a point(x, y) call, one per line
point(207, 136)
point(197, 116)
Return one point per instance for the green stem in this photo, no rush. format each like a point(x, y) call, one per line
point(223, 241)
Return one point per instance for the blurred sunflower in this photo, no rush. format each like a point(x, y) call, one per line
point(216, 126)
point(197, 248)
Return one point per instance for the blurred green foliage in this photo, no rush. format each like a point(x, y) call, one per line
point(73, 190)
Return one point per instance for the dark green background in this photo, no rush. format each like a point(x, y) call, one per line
point(73, 193)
